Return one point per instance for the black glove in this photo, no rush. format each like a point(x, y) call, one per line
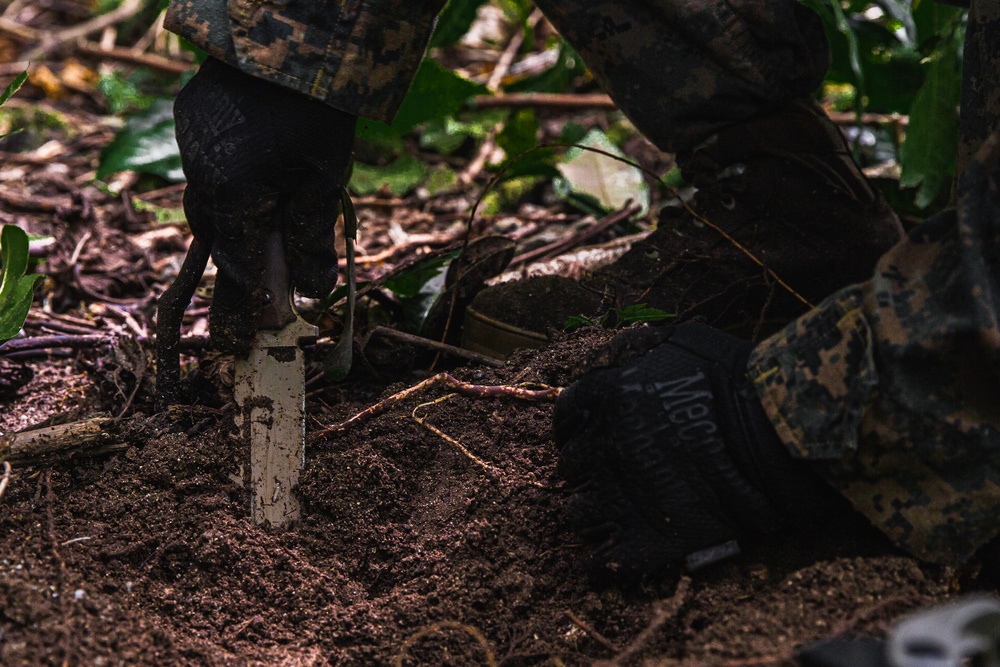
point(671, 458)
point(260, 158)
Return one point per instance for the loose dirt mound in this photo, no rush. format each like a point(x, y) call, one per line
point(410, 552)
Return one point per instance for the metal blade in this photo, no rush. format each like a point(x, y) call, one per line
point(270, 393)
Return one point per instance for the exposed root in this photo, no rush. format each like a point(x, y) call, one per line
point(544, 394)
point(664, 612)
point(491, 659)
point(489, 469)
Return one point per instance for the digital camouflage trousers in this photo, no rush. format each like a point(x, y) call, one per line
point(679, 69)
point(890, 387)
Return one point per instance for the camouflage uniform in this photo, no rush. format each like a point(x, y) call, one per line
point(713, 62)
point(889, 386)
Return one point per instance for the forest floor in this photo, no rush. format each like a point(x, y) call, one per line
point(410, 551)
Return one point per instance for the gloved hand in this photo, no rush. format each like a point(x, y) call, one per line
point(259, 158)
point(671, 458)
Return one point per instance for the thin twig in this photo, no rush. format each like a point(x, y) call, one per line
point(386, 332)
point(133, 57)
point(412, 241)
point(149, 37)
point(536, 100)
point(51, 41)
point(546, 394)
point(687, 207)
point(76, 342)
point(86, 342)
point(399, 269)
point(20, 32)
point(13, 8)
point(597, 636)
point(34, 203)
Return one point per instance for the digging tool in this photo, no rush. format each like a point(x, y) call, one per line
point(270, 394)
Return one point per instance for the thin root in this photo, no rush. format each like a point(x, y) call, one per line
point(491, 658)
point(543, 394)
point(490, 470)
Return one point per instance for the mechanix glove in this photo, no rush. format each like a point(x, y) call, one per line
point(670, 459)
point(260, 158)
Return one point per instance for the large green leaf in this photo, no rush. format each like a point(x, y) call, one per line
point(16, 289)
point(876, 58)
point(927, 156)
point(518, 139)
point(146, 144)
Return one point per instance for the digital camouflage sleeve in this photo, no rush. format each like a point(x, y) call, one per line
point(357, 55)
point(679, 69)
point(892, 388)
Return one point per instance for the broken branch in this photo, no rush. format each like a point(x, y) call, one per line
point(88, 437)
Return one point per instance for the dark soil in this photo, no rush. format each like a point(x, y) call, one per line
point(409, 553)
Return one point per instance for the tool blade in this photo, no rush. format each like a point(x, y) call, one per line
point(270, 394)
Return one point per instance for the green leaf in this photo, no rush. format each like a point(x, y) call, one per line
point(407, 284)
point(574, 322)
point(609, 181)
point(891, 70)
point(454, 21)
point(398, 178)
point(122, 93)
point(446, 134)
point(146, 144)
point(16, 289)
point(13, 87)
point(520, 134)
point(518, 139)
point(927, 156)
point(640, 312)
